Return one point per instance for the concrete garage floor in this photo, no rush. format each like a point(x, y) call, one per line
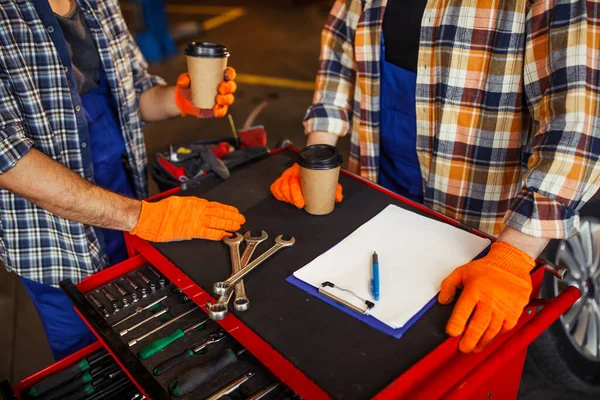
point(280, 40)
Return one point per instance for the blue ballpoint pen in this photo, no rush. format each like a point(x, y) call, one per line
point(375, 277)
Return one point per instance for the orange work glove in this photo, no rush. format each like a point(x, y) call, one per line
point(496, 288)
point(287, 188)
point(184, 218)
point(225, 98)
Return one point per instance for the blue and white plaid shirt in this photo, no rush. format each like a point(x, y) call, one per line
point(41, 108)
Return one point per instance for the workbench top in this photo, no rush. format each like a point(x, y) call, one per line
point(345, 357)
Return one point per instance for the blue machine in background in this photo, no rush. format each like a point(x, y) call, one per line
point(153, 37)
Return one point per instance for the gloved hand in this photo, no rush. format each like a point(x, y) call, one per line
point(225, 98)
point(496, 288)
point(184, 218)
point(287, 188)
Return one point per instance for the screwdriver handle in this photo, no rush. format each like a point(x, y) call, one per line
point(152, 348)
point(58, 378)
point(172, 362)
point(196, 377)
point(60, 391)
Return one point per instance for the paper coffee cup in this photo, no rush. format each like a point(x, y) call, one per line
point(319, 174)
point(206, 63)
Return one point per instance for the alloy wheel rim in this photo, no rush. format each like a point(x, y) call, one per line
point(581, 255)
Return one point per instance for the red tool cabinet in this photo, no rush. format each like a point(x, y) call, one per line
point(442, 373)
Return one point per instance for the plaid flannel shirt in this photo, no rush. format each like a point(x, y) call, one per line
point(41, 108)
point(508, 108)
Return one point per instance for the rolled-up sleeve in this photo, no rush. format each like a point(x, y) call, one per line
point(142, 79)
point(332, 101)
point(14, 144)
point(561, 78)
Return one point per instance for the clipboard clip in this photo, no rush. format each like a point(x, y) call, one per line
point(323, 290)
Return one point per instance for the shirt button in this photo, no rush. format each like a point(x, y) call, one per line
point(77, 108)
point(66, 69)
point(50, 29)
point(83, 145)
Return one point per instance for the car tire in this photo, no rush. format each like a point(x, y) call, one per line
point(562, 355)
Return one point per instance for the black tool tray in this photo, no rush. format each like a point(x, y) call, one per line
point(157, 386)
point(345, 357)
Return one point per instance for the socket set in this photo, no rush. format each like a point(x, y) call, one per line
point(186, 352)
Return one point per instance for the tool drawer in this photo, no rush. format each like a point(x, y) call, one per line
point(164, 339)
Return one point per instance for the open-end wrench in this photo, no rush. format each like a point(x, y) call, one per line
point(241, 301)
point(222, 288)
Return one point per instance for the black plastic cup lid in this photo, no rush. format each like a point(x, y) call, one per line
point(206, 49)
point(320, 157)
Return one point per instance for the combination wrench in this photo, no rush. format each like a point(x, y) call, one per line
point(241, 303)
point(240, 291)
point(222, 288)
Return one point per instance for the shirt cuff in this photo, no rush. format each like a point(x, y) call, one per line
point(13, 146)
point(540, 216)
point(326, 118)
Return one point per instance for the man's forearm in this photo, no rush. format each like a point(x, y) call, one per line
point(158, 104)
point(531, 245)
point(41, 180)
point(322, 138)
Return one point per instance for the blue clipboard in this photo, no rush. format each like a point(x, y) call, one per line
point(372, 321)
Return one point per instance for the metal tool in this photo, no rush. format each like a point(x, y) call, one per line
point(123, 293)
point(219, 310)
point(98, 305)
point(139, 310)
point(144, 292)
point(174, 361)
point(112, 300)
point(153, 271)
point(252, 243)
point(132, 283)
point(241, 301)
point(162, 283)
point(221, 288)
point(150, 318)
point(148, 282)
point(263, 392)
point(159, 344)
point(232, 387)
point(153, 331)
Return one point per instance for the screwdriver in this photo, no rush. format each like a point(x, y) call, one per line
point(231, 387)
point(174, 361)
point(153, 331)
point(96, 386)
point(139, 310)
point(150, 318)
point(89, 376)
point(264, 392)
point(67, 374)
point(151, 349)
point(196, 377)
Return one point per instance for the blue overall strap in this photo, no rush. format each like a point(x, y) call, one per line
point(399, 169)
point(108, 149)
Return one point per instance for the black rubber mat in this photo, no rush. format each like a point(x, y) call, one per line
point(345, 357)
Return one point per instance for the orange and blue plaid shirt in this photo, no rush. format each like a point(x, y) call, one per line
point(508, 106)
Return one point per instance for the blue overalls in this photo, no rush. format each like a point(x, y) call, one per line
point(66, 332)
point(399, 169)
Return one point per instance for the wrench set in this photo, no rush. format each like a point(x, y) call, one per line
point(240, 267)
point(186, 352)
